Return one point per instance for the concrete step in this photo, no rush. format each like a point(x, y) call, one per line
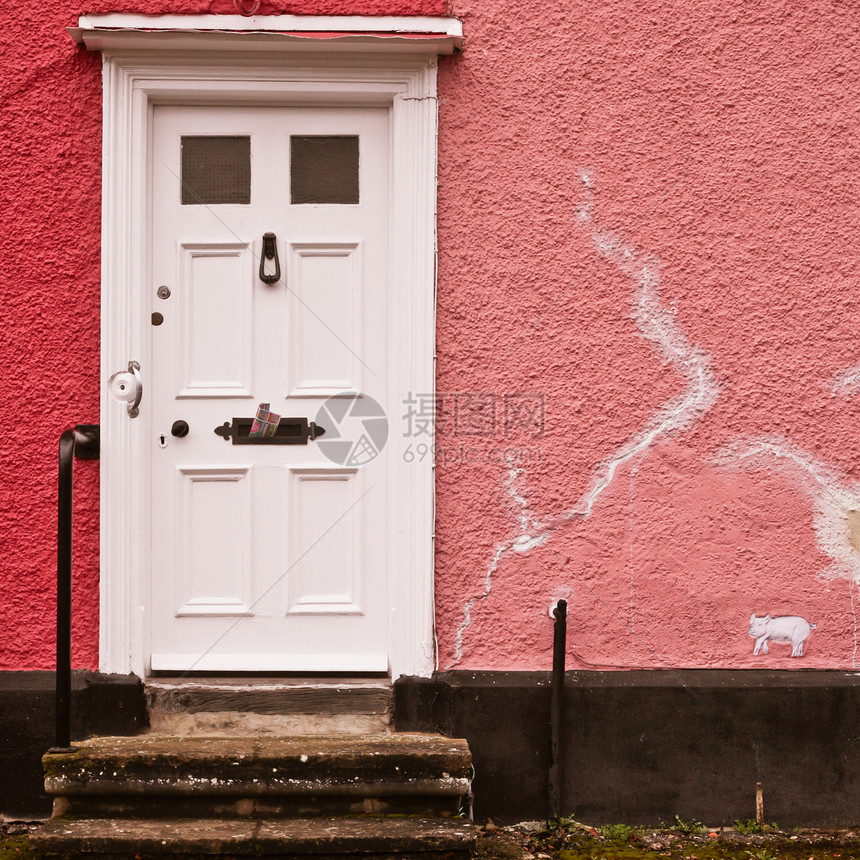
point(149, 806)
point(269, 705)
point(321, 838)
point(154, 776)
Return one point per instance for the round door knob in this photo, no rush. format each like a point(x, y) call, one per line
point(179, 429)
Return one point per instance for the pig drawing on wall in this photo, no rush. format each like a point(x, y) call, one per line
point(784, 628)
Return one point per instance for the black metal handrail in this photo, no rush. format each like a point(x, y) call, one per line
point(555, 780)
point(83, 443)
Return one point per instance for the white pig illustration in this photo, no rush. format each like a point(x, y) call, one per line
point(783, 628)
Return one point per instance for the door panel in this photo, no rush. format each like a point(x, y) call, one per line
point(326, 577)
point(327, 288)
point(217, 319)
point(266, 557)
point(213, 542)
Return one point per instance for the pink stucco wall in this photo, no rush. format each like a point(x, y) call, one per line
point(647, 216)
point(646, 225)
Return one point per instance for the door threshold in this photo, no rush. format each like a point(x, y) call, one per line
point(275, 678)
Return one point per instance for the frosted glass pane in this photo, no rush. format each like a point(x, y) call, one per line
point(324, 169)
point(216, 170)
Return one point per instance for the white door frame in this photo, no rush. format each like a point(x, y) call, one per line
point(134, 81)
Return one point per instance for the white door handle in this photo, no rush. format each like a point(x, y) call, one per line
point(126, 386)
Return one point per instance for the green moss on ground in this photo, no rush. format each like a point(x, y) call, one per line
point(569, 840)
point(714, 849)
point(15, 848)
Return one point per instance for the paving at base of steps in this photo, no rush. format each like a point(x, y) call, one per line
point(568, 839)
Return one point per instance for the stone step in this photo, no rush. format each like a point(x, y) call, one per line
point(264, 695)
point(321, 838)
point(343, 770)
point(149, 806)
point(242, 705)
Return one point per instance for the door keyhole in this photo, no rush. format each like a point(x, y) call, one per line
point(162, 441)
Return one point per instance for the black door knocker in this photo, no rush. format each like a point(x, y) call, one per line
point(270, 252)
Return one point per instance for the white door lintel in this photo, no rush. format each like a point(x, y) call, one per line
point(354, 33)
point(133, 83)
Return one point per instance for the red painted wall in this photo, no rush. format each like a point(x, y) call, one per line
point(50, 182)
point(50, 136)
point(646, 225)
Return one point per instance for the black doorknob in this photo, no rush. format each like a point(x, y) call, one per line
point(179, 429)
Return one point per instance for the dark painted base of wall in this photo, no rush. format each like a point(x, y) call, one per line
point(641, 747)
point(101, 704)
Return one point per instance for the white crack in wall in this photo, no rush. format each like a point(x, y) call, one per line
point(656, 324)
point(835, 503)
point(835, 499)
point(521, 511)
point(846, 383)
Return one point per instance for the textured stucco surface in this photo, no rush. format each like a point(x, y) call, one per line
point(646, 218)
point(50, 136)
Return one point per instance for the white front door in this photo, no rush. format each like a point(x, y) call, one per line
point(269, 557)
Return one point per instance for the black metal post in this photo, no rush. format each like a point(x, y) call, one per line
point(556, 711)
point(82, 442)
